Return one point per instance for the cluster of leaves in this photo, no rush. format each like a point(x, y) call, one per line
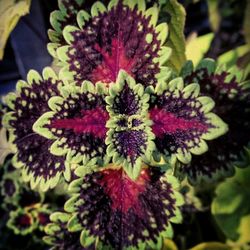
point(25, 212)
point(125, 123)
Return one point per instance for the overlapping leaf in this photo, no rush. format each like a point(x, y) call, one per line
point(58, 235)
point(176, 40)
point(231, 207)
point(123, 36)
point(59, 19)
point(231, 93)
point(115, 212)
point(32, 154)
point(182, 121)
point(76, 123)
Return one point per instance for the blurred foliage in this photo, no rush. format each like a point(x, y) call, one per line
point(211, 246)
point(10, 13)
point(231, 207)
point(246, 24)
point(214, 15)
point(231, 57)
point(37, 205)
point(169, 245)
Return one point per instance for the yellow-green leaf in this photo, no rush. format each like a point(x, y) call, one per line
point(176, 39)
point(211, 246)
point(230, 58)
point(244, 229)
point(10, 12)
point(246, 24)
point(169, 245)
point(197, 47)
point(214, 14)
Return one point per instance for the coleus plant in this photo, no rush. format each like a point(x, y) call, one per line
point(26, 220)
point(24, 210)
point(21, 222)
point(32, 150)
point(230, 90)
point(103, 43)
point(106, 122)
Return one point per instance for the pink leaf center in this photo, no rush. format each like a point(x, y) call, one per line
point(112, 63)
point(122, 190)
point(92, 121)
point(167, 123)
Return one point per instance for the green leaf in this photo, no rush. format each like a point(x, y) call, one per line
point(231, 207)
point(176, 39)
point(230, 57)
point(246, 24)
point(198, 46)
point(244, 229)
point(10, 13)
point(243, 62)
point(214, 14)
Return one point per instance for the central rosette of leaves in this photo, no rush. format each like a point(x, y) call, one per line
point(125, 125)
